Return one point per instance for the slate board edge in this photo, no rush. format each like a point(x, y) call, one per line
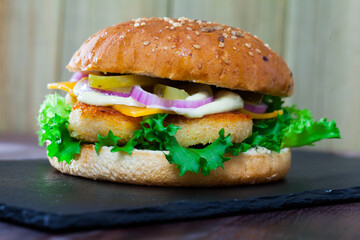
point(175, 210)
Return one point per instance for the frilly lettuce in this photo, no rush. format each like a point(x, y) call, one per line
point(294, 128)
point(53, 121)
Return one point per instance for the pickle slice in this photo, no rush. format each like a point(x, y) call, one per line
point(170, 93)
point(111, 82)
point(193, 88)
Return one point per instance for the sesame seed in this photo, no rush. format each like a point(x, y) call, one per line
point(207, 29)
point(198, 21)
point(234, 48)
point(182, 19)
point(177, 24)
point(248, 45)
point(200, 65)
point(228, 29)
point(172, 28)
point(221, 39)
point(196, 46)
point(171, 21)
point(136, 24)
point(143, 23)
point(251, 54)
point(197, 33)
point(226, 61)
point(237, 34)
point(121, 37)
point(258, 50)
point(166, 48)
point(189, 28)
point(233, 37)
point(225, 35)
point(156, 38)
point(221, 44)
point(265, 58)
point(166, 19)
point(153, 50)
point(188, 37)
point(218, 28)
point(173, 46)
point(146, 43)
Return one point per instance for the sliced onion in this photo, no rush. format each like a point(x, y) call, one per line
point(260, 108)
point(153, 101)
point(78, 76)
point(111, 93)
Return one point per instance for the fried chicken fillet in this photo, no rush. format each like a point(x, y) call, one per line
point(86, 121)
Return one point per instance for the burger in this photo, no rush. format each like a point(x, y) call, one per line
point(176, 102)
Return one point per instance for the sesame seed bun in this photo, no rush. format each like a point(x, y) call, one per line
point(187, 50)
point(147, 167)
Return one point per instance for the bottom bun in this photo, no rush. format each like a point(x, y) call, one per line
point(145, 167)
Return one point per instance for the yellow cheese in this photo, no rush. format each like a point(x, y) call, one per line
point(66, 86)
point(139, 111)
point(264, 115)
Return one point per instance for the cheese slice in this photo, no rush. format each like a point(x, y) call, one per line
point(66, 86)
point(262, 116)
point(139, 111)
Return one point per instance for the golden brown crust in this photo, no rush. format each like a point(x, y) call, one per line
point(205, 130)
point(184, 49)
point(151, 168)
point(86, 121)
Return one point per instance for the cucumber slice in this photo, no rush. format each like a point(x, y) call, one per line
point(171, 93)
point(111, 82)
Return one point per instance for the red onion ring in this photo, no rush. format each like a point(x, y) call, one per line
point(78, 76)
point(153, 101)
point(260, 109)
point(112, 93)
point(85, 87)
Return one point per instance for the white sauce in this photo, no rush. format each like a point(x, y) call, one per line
point(225, 101)
point(100, 99)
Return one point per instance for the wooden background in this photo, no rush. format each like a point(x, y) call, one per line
point(320, 40)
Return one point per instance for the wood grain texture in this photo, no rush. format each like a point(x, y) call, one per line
point(29, 42)
point(84, 18)
point(323, 52)
point(326, 222)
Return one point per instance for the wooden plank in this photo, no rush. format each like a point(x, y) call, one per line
point(29, 44)
point(323, 51)
point(84, 18)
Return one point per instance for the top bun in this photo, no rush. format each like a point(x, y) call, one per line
point(187, 50)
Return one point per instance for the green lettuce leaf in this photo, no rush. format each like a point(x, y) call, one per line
point(154, 135)
point(304, 130)
point(295, 128)
point(193, 160)
point(53, 121)
point(273, 103)
point(129, 146)
point(109, 140)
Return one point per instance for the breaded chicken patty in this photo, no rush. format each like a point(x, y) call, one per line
point(86, 121)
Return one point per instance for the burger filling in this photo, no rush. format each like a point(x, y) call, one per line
point(197, 125)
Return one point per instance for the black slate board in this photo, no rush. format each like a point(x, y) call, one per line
point(34, 194)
